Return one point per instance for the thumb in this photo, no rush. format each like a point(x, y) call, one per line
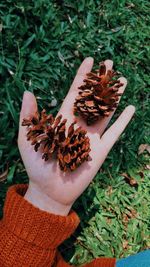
point(29, 105)
point(29, 108)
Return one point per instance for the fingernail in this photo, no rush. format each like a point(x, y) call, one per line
point(90, 59)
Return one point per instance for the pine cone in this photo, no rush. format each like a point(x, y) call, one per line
point(45, 133)
point(49, 135)
point(98, 96)
point(74, 150)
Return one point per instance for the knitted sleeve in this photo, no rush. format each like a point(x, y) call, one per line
point(29, 237)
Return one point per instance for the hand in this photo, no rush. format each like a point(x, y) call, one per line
point(49, 188)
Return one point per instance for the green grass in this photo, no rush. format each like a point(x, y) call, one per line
point(42, 44)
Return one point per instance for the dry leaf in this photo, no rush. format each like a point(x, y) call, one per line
point(125, 218)
point(147, 167)
point(129, 179)
point(133, 182)
point(142, 148)
point(125, 244)
point(132, 213)
point(110, 190)
point(130, 5)
point(108, 220)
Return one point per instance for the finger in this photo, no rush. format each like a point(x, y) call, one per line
point(105, 121)
point(29, 108)
point(67, 106)
point(84, 68)
point(108, 64)
point(113, 133)
point(101, 125)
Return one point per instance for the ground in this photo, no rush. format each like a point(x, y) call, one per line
point(42, 44)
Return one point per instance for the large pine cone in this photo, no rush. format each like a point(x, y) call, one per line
point(48, 135)
point(74, 150)
point(98, 96)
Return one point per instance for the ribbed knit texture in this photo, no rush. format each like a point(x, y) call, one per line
point(29, 237)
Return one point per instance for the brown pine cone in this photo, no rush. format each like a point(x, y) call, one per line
point(74, 150)
point(49, 135)
point(98, 96)
point(45, 132)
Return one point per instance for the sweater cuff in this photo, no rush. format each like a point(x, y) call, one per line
point(33, 225)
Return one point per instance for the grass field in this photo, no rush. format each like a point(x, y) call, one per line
point(42, 43)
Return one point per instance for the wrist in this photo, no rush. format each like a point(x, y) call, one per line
point(39, 199)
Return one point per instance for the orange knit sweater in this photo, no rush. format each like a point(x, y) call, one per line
point(30, 237)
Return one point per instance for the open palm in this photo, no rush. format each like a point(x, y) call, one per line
point(50, 188)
